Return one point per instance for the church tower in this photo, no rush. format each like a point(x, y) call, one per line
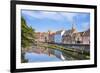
point(73, 28)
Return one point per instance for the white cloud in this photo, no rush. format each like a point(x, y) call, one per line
point(43, 15)
point(69, 16)
point(31, 14)
point(58, 16)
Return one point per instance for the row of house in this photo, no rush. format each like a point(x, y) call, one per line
point(41, 36)
point(71, 36)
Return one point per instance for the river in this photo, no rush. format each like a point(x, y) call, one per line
point(42, 54)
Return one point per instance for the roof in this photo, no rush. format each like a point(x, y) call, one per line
point(85, 33)
point(68, 32)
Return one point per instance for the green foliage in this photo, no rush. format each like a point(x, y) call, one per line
point(27, 34)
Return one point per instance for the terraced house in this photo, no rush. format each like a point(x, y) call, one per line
point(72, 36)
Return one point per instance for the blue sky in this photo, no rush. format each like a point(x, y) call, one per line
point(42, 21)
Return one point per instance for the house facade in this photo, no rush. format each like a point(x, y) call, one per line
point(71, 36)
point(51, 36)
point(41, 36)
point(76, 37)
point(85, 37)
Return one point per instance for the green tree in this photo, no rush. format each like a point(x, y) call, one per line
point(27, 34)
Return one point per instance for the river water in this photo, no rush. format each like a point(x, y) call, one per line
point(41, 54)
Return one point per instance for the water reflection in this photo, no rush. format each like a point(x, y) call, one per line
point(44, 54)
point(34, 57)
point(41, 54)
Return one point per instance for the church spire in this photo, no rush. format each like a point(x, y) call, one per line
point(73, 27)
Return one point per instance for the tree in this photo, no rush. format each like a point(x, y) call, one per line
point(27, 34)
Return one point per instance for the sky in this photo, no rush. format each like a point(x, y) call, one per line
point(42, 21)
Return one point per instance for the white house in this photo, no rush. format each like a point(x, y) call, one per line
point(59, 36)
